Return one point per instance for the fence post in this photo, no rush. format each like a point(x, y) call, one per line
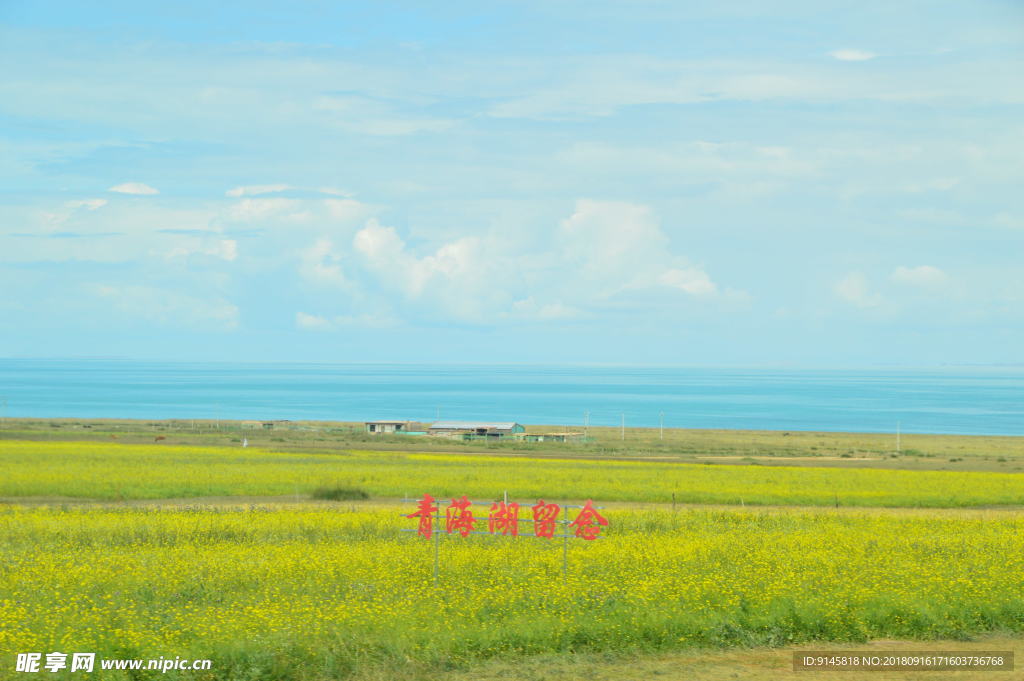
point(565, 542)
point(437, 541)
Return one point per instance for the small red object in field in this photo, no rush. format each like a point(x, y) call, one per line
point(544, 518)
point(458, 517)
point(426, 507)
point(589, 522)
point(504, 518)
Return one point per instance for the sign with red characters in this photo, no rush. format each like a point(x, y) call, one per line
point(503, 518)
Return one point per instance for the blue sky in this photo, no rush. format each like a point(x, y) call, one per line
point(721, 183)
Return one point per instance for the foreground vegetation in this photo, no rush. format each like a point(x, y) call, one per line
point(330, 592)
point(110, 471)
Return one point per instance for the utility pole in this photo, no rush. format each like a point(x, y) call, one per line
point(661, 424)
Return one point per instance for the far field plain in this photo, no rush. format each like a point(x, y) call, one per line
point(769, 448)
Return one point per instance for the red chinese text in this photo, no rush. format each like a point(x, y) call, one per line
point(589, 522)
point(458, 517)
point(504, 518)
point(425, 512)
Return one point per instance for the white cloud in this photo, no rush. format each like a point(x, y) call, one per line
point(256, 189)
point(280, 214)
point(615, 243)
point(854, 289)
point(334, 191)
point(311, 322)
point(941, 184)
point(90, 204)
point(137, 188)
point(141, 231)
point(530, 309)
point(605, 254)
point(248, 210)
point(694, 281)
point(1008, 221)
point(460, 277)
point(228, 249)
point(615, 247)
point(345, 209)
point(322, 265)
point(371, 116)
point(225, 249)
point(740, 168)
point(922, 275)
point(852, 55)
point(168, 307)
point(260, 189)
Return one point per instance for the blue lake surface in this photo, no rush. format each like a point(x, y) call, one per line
point(966, 401)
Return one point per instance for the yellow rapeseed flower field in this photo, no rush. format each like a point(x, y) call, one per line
point(113, 471)
point(312, 592)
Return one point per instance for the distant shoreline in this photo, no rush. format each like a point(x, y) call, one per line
point(237, 425)
point(949, 401)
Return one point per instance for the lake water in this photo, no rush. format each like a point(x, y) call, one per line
point(969, 401)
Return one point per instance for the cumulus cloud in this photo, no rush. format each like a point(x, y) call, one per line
point(615, 247)
point(322, 264)
point(854, 289)
point(922, 276)
point(604, 254)
point(460, 277)
point(852, 55)
point(137, 188)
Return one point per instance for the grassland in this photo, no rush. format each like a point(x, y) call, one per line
point(329, 592)
point(110, 471)
point(769, 448)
